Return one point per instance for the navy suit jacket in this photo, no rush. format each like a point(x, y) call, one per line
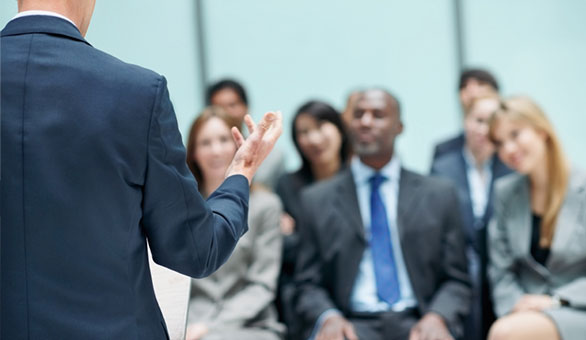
point(448, 146)
point(93, 168)
point(449, 163)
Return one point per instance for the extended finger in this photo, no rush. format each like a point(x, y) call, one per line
point(238, 138)
point(249, 124)
point(266, 122)
point(276, 125)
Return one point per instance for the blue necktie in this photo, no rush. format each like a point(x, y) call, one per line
point(385, 270)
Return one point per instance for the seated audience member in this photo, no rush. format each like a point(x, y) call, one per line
point(382, 251)
point(322, 143)
point(473, 169)
point(537, 236)
point(236, 302)
point(231, 96)
point(473, 83)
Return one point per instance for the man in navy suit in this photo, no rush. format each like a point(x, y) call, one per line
point(469, 161)
point(473, 83)
point(93, 168)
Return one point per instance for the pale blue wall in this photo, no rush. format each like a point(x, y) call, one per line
point(152, 34)
point(289, 52)
point(286, 52)
point(537, 48)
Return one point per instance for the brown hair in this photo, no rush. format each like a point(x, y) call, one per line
point(523, 109)
point(207, 114)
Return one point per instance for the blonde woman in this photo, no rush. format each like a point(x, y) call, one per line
point(537, 238)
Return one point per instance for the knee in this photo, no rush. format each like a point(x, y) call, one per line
point(502, 329)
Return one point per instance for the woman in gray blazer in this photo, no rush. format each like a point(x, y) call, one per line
point(537, 237)
point(236, 302)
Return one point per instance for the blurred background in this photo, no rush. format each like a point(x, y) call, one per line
point(286, 52)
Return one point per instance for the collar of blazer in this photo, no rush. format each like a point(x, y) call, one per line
point(347, 200)
point(567, 222)
point(43, 24)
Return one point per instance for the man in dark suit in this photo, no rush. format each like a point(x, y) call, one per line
point(231, 96)
point(382, 252)
point(473, 83)
point(473, 167)
point(93, 168)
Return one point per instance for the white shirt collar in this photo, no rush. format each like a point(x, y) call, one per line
point(471, 162)
point(48, 13)
point(362, 172)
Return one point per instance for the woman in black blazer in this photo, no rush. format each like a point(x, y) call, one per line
point(324, 147)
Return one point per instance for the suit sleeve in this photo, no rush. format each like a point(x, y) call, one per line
point(506, 290)
point(573, 292)
point(186, 233)
point(263, 272)
point(453, 296)
point(312, 297)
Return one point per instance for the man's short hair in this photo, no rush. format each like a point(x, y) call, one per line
point(480, 75)
point(387, 93)
point(226, 84)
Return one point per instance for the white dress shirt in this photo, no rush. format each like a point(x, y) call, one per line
point(48, 13)
point(364, 297)
point(479, 182)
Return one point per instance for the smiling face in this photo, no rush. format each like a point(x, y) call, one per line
point(214, 149)
point(374, 126)
point(319, 141)
point(519, 145)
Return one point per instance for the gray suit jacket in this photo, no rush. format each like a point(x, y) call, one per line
point(333, 242)
point(241, 293)
point(512, 270)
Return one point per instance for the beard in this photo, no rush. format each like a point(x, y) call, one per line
point(366, 149)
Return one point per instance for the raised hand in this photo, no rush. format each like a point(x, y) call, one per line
point(254, 149)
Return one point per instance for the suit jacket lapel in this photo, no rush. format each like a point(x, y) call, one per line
point(522, 226)
point(461, 176)
point(346, 204)
point(408, 187)
point(499, 169)
point(521, 222)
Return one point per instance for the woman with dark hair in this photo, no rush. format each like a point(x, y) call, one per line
point(321, 140)
point(235, 302)
point(536, 238)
